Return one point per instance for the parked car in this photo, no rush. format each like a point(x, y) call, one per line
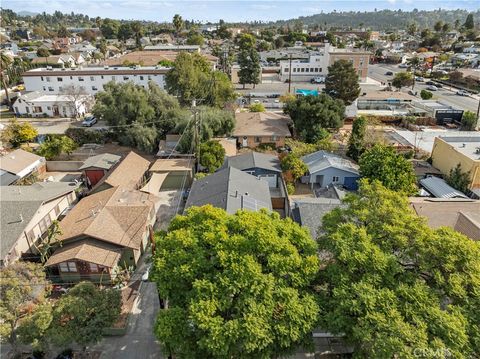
point(462, 93)
point(419, 79)
point(389, 73)
point(429, 83)
point(413, 93)
point(432, 88)
point(318, 80)
point(403, 66)
point(89, 121)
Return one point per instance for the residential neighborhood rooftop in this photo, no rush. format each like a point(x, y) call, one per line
point(261, 124)
point(230, 189)
point(439, 188)
point(469, 146)
point(17, 160)
point(253, 159)
point(103, 160)
point(319, 160)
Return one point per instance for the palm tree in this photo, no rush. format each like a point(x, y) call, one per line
point(5, 63)
point(177, 22)
point(137, 29)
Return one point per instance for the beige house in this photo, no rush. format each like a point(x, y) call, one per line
point(104, 230)
point(255, 128)
point(19, 164)
point(448, 152)
point(26, 214)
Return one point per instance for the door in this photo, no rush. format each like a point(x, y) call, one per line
point(351, 183)
point(271, 179)
point(319, 180)
point(244, 141)
point(56, 112)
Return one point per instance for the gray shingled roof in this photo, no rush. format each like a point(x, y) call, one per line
point(18, 205)
point(254, 160)
point(104, 160)
point(230, 189)
point(440, 189)
point(7, 178)
point(320, 160)
point(309, 212)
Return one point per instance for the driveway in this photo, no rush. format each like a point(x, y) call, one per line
point(139, 342)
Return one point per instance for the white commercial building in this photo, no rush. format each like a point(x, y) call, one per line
point(90, 79)
point(317, 64)
point(38, 104)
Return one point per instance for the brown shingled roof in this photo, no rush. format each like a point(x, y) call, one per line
point(127, 172)
point(117, 215)
point(149, 58)
point(92, 251)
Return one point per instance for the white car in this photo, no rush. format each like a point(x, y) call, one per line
point(419, 79)
point(462, 93)
point(432, 88)
point(403, 66)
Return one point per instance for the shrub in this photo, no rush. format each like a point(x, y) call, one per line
point(290, 188)
point(426, 95)
point(82, 136)
point(257, 107)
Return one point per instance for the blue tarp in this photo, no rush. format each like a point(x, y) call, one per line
point(307, 92)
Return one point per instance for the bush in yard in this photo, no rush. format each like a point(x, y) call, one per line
point(257, 107)
point(293, 164)
point(16, 133)
point(82, 136)
point(212, 155)
point(55, 146)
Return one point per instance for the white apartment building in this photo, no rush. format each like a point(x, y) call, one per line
point(53, 81)
point(317, 64)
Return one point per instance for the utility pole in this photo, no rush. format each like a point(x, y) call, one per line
point(196, 134)
point(290, 73)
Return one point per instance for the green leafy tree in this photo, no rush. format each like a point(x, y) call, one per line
point(469, 121)
point(402, 79)
point(22, 288)
point(214, 122)
point(249, 61)
point(43, 52)
point(356, 142)
point(109, 28)
point(256, 107)
point(46, 245)
point(212, 155)
point(311, 115)
point(238, 286)
point(194, 38)
point(81, 315)
point(17, 133)
point(412, 28)
point(458, 179)
point(63, 32)
point(54, 146)
point(137, 30)
point(223, 32)
point(342, 81)
point(426, 95)
point(469, 23)
point(392, 284)
point(177, 23)
point(246, 42)
point(125, 31)
point(294, 165)
point(139, 136)
point(438, 26)
point(191, 77)
point(394, 171)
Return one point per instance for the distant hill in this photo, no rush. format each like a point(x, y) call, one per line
point(27, 13)
point(382, 19)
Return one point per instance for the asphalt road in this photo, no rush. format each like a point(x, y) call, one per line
point(446, 94)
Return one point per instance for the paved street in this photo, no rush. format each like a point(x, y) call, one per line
point(139, 342)
point(446, 94)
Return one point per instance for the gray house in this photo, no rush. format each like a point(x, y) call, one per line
point(325, 168)
point(265, 167)
point(230, 189)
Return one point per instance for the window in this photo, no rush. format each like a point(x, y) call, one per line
point(37, 109)
point(311, 69)
point(68, 267)
point(57, 210)
point(60, 88)
point(257, 139)
point(113, 78)
point(286, 69)
point(149, 77)
point(71, 77)
point(94, 88)
point(125, 78)
point(335, 179)
point(92, 78)
point(16, 109)
point(41, 77)
point(102, 77)
point(294, 69)
point(80, 78)
point(27, 109)
point(49, 108)
point(59, 79)
point(141, 78)
point(93, 267)
point(50, 88)
point(44, 88)
point(273, 138)
point(48, 79)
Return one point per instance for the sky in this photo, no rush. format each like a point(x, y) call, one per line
point(230, 11)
